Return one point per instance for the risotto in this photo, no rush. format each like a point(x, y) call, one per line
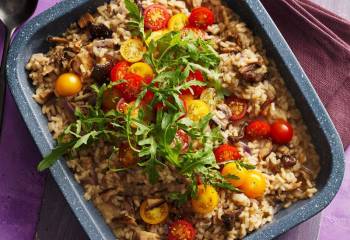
point(173, 120)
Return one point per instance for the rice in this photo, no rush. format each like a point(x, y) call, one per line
point(118, 195)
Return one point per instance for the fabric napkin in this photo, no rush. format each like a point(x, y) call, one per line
point(320, 41)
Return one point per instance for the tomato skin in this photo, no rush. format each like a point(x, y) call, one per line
point(119, 70)
point(255, 184)
point(197, 90)
point(201, 18)
point(232, 169)
point(207, 199)
point(156, 215)
point(257, 129)
point(281, 131)
point(132, 86)
point(226, 152)
point(238, 108)
point(156, 17)
point(68, 84)
point(181, 230)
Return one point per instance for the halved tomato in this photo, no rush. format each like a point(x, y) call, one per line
point(201, 18)
point(181, 230)
point(156, 17)
point(178, 22)
point(119, 70)
point(197, 90)
point(132, 50)
point(238, 108)
point(130, 87)
point(226, 152)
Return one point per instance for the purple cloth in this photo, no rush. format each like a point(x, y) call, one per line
point(22, 187)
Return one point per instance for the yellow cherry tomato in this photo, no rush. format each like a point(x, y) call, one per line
point(178, 22)
point(197, 109)
point(132, 50)
point(156, 214)
point(207, 199)
point(156, 35)
point(68, 84)
point(254, 185)
point(142, 69)
point(234, 169)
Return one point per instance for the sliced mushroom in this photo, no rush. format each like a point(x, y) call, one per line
point(265, 150)
point(57, 40)
point(251, 73)
point(229, 218)
point(154, 203)
point(288, 161)
point(101, 71)
point(143, 235)
point(100, 31)
point(85, 20)
point(222, 115)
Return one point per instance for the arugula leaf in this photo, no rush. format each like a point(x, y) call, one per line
point(57, 152)
point(136, 24)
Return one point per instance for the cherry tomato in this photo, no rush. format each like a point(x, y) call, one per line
point(130, 87)
point(132, 50)
point(257, 129)
point(178, 22)
point(154, 214)
point(110, 99)
point(119, 70)
point(281, 131)
point(238, 108)
point(197, 90)
point(181, 230)
point(156, 17)
point(207, 199)
point(68, 84)
point(254, 185)
point(182, 139)
point(226, 152)
point(197, 109)
point(127, 156)
point(234, 169)
point(201, 18)
point(142, 69)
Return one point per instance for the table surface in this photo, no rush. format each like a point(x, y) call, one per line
point(58, 222)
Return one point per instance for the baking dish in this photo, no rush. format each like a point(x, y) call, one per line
point(32, 39)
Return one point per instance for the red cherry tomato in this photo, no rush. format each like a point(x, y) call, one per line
point(119, 70)
point(181, 230)
point(258, 129)
point(201, 18)
point(156, 17)
point(226, 152)
point(131, 87)
point(197, 90)
point(182, 139)
point(281, 131)
point(238, 108)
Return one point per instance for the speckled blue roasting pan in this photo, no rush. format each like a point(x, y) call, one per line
point(32, 39)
